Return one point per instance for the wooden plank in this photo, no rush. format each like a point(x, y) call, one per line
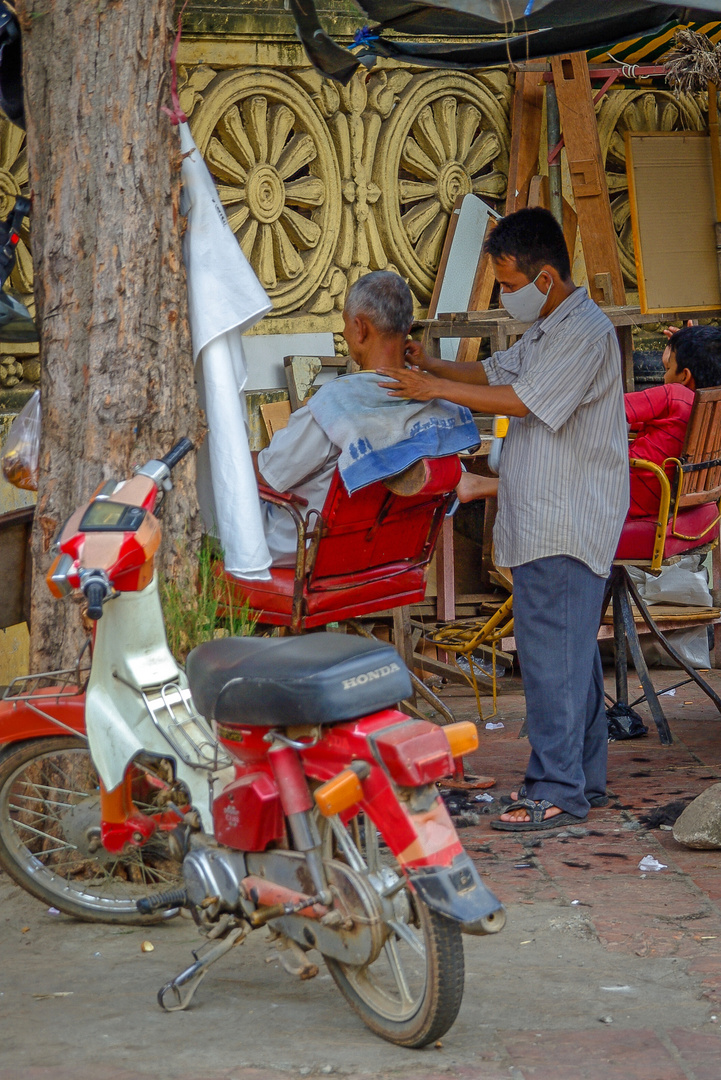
point(485, 323)
point(606, 631)
point(714, 477)
point(526, 122)
point(588, 179)
point(402, 637)
point(445, 573)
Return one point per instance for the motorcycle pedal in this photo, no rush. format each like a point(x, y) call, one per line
point(294, 959)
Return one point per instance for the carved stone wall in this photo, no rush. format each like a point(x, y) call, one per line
point(322, 183)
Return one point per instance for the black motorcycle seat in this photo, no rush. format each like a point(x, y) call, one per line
point(283, 682)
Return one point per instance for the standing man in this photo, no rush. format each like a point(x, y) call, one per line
point(562, 499)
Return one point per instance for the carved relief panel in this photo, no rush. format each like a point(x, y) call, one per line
point(323, 183)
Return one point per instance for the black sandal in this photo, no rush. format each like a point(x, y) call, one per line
point(536, 810)
point(595, 803)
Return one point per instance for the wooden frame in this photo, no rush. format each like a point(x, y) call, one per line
point(708, 252)
point(340, 363)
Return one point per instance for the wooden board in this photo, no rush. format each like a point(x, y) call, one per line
point(276, 415)
point(306, 373)
point(588, 179)
point(526, 127)
point(16, 562)
point(673, 237)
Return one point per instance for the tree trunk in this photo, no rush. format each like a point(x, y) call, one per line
point(117, 381)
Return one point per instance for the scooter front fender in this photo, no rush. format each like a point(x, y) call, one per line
point(428, 849)
point(20, 720)
point(457, 893)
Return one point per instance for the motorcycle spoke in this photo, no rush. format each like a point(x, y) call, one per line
point(403, 931)
point(349, 849)
point(38, 832)
point(372, 848)
point(391, 951)
point(43, 799)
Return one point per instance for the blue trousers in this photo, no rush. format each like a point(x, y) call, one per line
point(557, 610)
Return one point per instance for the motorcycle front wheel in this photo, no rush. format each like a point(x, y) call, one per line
point(411, 992)
point(49, 836)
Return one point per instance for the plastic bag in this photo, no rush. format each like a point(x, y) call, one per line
point(691, 643)
point(684, 582)
point(22, 447)
point(624, 723)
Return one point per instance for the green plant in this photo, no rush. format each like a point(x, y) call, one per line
point(190, 605)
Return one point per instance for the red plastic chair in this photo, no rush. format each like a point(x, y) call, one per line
point(688, 520)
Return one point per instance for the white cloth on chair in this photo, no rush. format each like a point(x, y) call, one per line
point(224, 299)
point(380, 435)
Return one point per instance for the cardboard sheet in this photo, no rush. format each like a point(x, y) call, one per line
point(670, 186)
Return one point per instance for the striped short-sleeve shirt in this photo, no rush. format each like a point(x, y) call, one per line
point(563, 487)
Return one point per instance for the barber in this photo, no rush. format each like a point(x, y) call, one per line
point(562, 500)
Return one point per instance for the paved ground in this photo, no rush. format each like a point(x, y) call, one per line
point(602, 973)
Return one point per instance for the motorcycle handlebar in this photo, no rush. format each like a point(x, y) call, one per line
point(95, 592)
point(177, 453)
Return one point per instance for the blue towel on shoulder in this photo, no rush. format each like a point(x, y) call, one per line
point(380, 436)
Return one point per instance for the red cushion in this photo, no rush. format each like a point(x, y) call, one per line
point(638, 534)
point(273, 600)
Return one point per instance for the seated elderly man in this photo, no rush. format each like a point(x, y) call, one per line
point(352, 423)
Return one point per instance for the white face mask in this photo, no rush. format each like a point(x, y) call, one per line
point(525, 304)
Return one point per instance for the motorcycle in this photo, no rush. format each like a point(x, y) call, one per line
point(277, 772)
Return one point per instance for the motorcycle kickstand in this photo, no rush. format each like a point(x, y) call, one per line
point(183, 986)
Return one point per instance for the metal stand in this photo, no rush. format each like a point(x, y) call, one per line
point(621, 592)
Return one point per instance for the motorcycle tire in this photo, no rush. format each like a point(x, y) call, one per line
point(412, 992)
point(50, 830)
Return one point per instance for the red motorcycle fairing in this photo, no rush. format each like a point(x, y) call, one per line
point(21, 720)
point(402, 754)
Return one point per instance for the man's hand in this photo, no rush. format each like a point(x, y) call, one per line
point(410, 383)
point(416, 356)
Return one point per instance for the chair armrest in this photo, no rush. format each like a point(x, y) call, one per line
point(280, 498)
point(659, 541)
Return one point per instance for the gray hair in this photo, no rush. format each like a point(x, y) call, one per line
point(385, 300)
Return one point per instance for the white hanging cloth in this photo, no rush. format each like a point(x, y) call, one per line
point(224, 299)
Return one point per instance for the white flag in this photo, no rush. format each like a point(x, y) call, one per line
point(224, 299)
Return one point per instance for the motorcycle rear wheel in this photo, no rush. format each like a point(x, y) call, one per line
point(49, 808)
point(410, 994)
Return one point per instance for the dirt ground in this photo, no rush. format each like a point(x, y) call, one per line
point(601, 971)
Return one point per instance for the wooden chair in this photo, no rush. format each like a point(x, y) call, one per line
point(363, 553)
point(688, 520)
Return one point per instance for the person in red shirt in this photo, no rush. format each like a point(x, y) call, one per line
point(660, 415)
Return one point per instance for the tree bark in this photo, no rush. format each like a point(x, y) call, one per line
point(117, 380)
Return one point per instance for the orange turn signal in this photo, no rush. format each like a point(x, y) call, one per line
point(462, 737)
point(339, 794)
point(57, 576)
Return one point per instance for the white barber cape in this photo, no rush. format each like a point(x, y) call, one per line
point(224, 299)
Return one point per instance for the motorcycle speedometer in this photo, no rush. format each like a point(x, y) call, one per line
point(102, 515)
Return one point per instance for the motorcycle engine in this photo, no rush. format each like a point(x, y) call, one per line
point(212, 879)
